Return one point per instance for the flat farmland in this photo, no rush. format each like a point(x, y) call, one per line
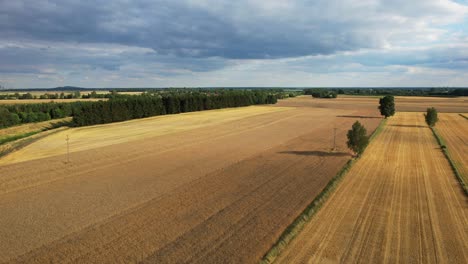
point(207, 187)
point(104, 135)
point(400, 203)
point(454, 130)
point(402, 103)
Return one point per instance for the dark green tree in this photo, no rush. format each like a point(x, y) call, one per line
point(431, 117)
point(357, 138)
point(387, 106)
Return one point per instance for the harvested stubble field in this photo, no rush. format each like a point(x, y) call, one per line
point(217, 191)
point(400, 203)
point(402, 103)
point(208, 187)
point(454, 130)
point(86, 138)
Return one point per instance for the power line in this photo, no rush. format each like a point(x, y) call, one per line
point(68, 149)
point(334, 138)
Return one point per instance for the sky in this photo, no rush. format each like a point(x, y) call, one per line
point(215, 43)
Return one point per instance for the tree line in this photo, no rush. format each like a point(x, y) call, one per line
point(125, 107)
point(321, 93)
point(152, 104)
point(54, 96)
point(16, 114)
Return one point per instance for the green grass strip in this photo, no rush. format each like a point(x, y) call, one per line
point(23, 142)
point(298, 224)
point(7, 139)
point(459, 177)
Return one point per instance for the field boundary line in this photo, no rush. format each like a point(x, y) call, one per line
point(26, 139)
point(55, 125)
point(441, 142)
point(464, 116)
point(298, 224)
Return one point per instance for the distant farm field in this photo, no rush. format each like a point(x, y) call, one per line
point(39, 101)
point(400, 203)
point(216, 186)
point(402, 103)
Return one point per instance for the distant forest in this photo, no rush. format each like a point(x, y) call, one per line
point(334, 92)
point(162, 101)
point(125, 107)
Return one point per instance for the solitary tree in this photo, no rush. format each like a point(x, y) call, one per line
point(387, 106)
point(357, 138)
point(431, 116)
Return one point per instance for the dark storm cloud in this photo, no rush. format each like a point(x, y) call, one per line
point(176, 28)
point(190, 38)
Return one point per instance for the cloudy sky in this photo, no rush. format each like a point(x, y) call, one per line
point(159, 43)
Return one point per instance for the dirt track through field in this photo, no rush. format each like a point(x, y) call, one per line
point(454, 130)
point(400, 203)
point(216, 193)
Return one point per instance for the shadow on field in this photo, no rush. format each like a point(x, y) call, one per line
point(408, 126)
point(358, 116)
point(317, 153)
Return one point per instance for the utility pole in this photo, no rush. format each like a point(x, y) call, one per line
point(334, 139)
point(68, 149)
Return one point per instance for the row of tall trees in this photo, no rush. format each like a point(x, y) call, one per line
point(11, 115)
point(152, 104)
point(52, 96)
point(321, 93)
point(124, 107)
point(391, 91)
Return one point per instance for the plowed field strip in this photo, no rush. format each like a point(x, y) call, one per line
point(400, 203)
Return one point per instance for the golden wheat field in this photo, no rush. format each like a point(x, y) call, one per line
point(199, 186)
point(454, 130)
point(220, 186)
point(104, 135)
point(400, 203)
